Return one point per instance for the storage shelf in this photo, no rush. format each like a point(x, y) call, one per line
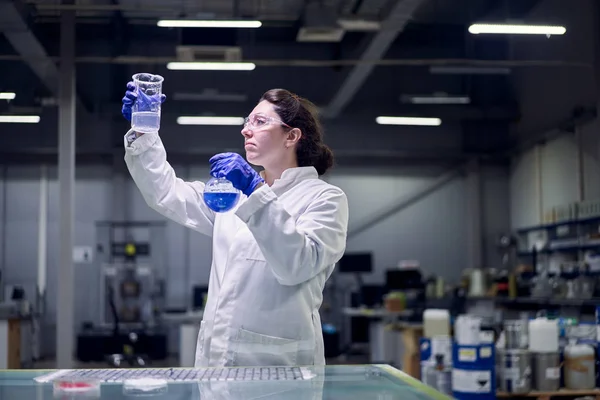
point(562, 249)
point(540, 301)
point(544, 227)
point(559, 393)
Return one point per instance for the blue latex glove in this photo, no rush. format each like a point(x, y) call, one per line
point(143, 101)
point(235, 169)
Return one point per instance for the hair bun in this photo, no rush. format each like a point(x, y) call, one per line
point(325, 160)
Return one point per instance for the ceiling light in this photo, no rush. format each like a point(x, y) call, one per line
point(210, 121)
point(189, 23)
point(19, 119)
point(408, 121)
point(507, 29)
point(436, 99)
point(359, 25)
point(211, 66)
point(7, 96)
point(449, 70)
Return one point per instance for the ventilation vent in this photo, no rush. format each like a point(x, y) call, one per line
point(208, 53)
point(320, 25)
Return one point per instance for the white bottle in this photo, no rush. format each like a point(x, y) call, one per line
point(543, 335)
point(436, 323)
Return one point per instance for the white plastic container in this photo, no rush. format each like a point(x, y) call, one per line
point(436, 323)
point(543, 335)
point(579, 367)
point(467, 330)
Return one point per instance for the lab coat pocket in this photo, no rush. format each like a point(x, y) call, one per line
point(254, 254)
point(254, 349)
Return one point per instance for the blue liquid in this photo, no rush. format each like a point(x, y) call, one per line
point(221, 202)
point(145, 121)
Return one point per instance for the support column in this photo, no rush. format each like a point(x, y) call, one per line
point(580, 160)
point(120, 209)
point(474, 215)
point(3, 257)
point(66, 178)
point(42, 241)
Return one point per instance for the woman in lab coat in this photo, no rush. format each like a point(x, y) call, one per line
point(273, 253)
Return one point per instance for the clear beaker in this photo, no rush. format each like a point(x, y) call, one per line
point(145, 113)
point(220, 195)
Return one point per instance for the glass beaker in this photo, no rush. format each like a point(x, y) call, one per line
point(145, 113)
point(220, 195)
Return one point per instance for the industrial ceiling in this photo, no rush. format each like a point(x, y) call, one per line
point(350, 57)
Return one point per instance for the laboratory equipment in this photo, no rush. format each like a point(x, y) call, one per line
point(515, 374)
point(516, 333)
point(579, 367)
point(329, 382)
point(546, 333)
point(467, 330)
point(179, 374)
point(124, 295)
point(220, 195)
point(356, 262)
point(76, 388)
point(148, 386)
point(199, 296)
point(473, 372)
point(436, 323)
point(546, 371)
point(146, 111)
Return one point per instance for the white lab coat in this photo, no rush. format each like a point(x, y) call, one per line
point(271, 257)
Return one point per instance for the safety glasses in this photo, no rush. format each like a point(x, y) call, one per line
point(259, 121)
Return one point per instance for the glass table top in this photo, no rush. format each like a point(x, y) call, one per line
point(380, 382)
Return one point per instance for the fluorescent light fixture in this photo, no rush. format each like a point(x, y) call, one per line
point(507, 29)
point(210, 121)
point(359, 25)
point(448, 70)
point(7, 96)
point(19, 119)
point(194, 23)
point(437, 99)
point(211, 66)
point(408, 121)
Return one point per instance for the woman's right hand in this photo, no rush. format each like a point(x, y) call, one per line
point(131, 97)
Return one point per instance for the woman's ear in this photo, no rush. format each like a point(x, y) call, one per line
point(293, 136)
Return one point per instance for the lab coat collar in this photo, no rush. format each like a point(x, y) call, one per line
point(294, 175)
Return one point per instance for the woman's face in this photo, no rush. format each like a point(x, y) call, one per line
point(265, 139)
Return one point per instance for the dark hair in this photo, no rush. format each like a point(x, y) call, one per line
point(300, 113)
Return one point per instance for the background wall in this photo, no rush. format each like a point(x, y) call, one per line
point(558, 134)
point(432, 230)
point(561, 171)
point(541, 116)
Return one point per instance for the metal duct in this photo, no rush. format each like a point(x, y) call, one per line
point(397, 19)
point(14, 25)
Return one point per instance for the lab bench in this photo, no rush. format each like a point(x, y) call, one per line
point(330, 382)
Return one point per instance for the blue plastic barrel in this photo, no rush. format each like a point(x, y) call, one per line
point(474, 372)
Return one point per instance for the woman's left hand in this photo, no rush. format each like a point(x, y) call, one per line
point(235, 169)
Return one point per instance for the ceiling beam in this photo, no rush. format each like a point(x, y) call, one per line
point(397, 19)
point(15, 27)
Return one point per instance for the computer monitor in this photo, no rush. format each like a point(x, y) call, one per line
point(403, 279)
point(356, 263)
point(199, 296)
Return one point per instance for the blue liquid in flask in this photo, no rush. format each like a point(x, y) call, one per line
point(220, 195)
point(221, 202)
